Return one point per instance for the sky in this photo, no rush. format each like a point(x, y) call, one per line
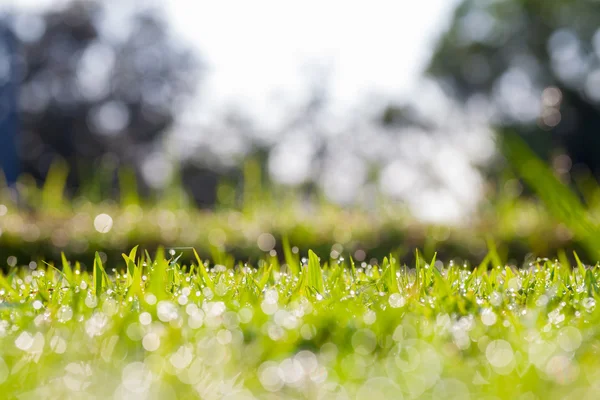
point(260, 49)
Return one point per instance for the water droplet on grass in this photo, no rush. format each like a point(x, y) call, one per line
point(499, 353)
point(150, 299)
point(488, 317)
point(151, 341)
point(77, 376)
point(589, 304)
point(24, 341)
point(64, 314)
point(58, 344)
point(166, 311)
point(569, 338)
point(145, 318)
point(96, 325)
point(379, 388)
point(369, 317)
point(103, 223)
point(136, 377)
point(182, 357)
point(110, 307)
point(270, 376)
point(396, 300)
point(364, 341)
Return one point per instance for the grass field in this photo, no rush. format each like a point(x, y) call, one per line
point(149, 327)
point(528, 212)
point(231, 310)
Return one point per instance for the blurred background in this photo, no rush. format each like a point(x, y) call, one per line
point(353, 104)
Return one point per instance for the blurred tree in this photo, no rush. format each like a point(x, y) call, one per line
point(100, 79)
point(8, 105)
point(531, 66)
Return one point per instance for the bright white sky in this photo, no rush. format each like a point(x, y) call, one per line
point(259, 48)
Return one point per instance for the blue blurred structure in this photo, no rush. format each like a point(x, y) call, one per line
point(9, 162)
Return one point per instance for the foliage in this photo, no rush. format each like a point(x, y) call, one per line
point(528, 66)
point(97, 86)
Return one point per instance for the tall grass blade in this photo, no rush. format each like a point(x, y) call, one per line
point(128, 187)
point(98, 275)
point(314, 272)
point(560, 201)
point(66, 268)
point(203, 272)
point(290, 259)
point(53, 190)
point(158, 276)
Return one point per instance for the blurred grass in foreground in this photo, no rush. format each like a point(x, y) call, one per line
point(154, 328)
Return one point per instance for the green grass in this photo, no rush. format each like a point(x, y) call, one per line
point(289, 324)
point(306, 328)
point(519, 226)
point(45, 221)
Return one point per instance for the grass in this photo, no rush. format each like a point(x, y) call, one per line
point(305, 328)
point(519, 226)
point(369, 319)
point(44, 221)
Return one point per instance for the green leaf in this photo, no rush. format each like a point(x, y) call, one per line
point(158, 277)
point(314, 272)
point(580, 265)
point(5, 284)
point(558, 198)
point(54, 186)
point(265, 277)
point(353, 267)
point(290, 259)
point(418, 271)
point(205, 276)
point(133, 253)
point(135, 288)
point(563, 259)
point(494, 257)
point(66, 267)
point(98, 275)
point(128, 187)
point(441, 284)
point(389, 274)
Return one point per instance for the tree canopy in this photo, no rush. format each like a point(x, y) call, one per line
point(529, 66)
point(96, 79)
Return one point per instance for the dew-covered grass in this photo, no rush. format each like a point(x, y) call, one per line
point(149, 327)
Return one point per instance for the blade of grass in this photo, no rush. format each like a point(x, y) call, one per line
point(54, 186)
point(290, 260)
point(66, 267)
point(494, 257)
point(98, 275)
point(580, 265)
point(560, 201)
point(128, 187)
point(314, 272)
point(158, 278)
point(203, 272)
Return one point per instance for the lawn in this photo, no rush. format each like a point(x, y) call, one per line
point(151, 327)
point(278, 294)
